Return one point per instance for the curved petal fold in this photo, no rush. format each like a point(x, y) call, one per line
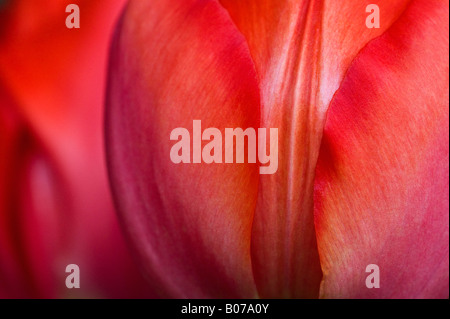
point(173, 63)
point(382, 179)
point(301, 50)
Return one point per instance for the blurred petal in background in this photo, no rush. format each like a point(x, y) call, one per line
point(55, 205)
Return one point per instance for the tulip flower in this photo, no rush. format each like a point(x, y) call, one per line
point(362, 119)
point(55, 205)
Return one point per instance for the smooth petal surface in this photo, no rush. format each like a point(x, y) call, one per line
point(301, 50)
point(174, 62)
point(59, 206)
point(382, 184)
point(20, 273)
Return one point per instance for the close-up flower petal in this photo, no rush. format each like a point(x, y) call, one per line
point(224, 149)
point(382, 183)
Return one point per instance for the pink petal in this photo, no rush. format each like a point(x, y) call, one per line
point(174, 62)
point(381, 191)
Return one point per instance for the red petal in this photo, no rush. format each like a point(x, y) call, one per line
point(301, 51)
point(381, 192)
point(174, 62)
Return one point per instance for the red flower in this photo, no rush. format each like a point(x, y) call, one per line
point(362, 116)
